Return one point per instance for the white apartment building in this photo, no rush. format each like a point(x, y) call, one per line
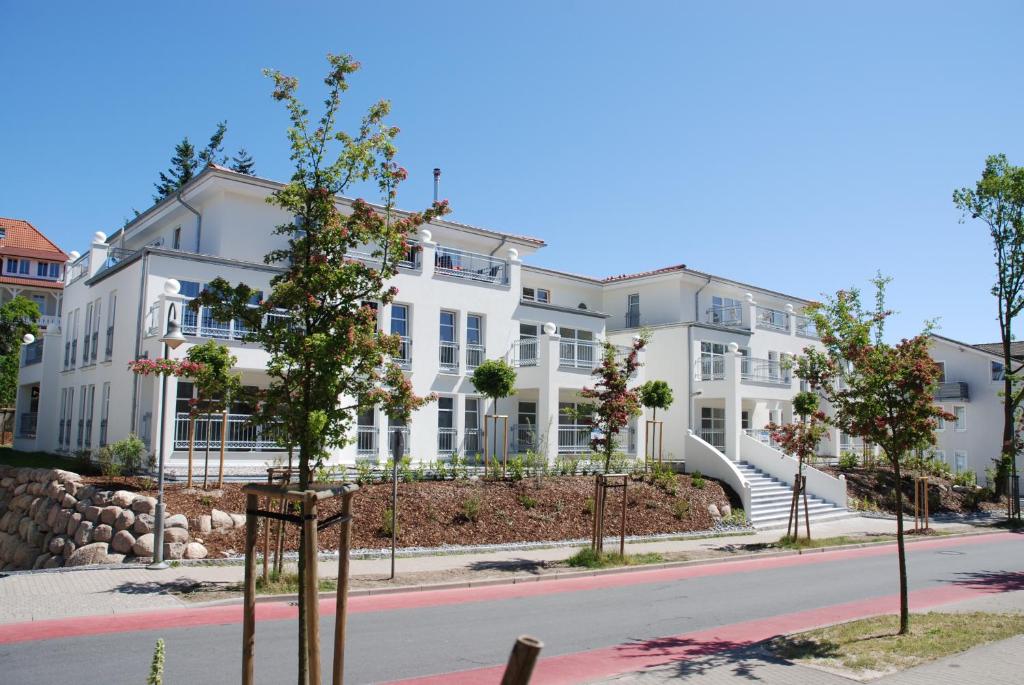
point(465, 294)
point(970, 387)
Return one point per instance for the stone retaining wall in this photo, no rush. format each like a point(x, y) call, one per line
point(49, 518)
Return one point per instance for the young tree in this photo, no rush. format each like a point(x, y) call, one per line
point(614, 403)
point(801, 438)
point(656, 395)
point(496, 379)
point(998, 200)
point(327, 358)
point(881, 392)
point(243, 163)
point(216, 387)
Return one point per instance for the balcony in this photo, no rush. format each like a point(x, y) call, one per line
point(448, 357)
point(577, 354)
point(525, 352)
point(33, 353)
point(731, 315)
point(762, 435)
point(772, 319)
point(754, 370)
point(475, 355)
point(202, 324)
point(27, 424)
point(470, 266)
point(242, 434)
point(410, 260)
point(955, 390)
point(447, 439)
point(366, 441)
point(574, 439)
point(48, 321)
point(710, 368)
point(806, 328)
point(398, 430)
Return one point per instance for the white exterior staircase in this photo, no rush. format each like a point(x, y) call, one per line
point(770, 501)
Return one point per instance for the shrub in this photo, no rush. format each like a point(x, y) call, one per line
point(108, 463)
point(697, 480)
point(681, 509)
point(405, 471)
point(737, 517)
point(129, 453)
point(471, 508)
point(516, 468)
point(847, 461)
point(441, 471)
point(526, 501)
point(206, 500)
point(588, 506)
point(965, 478)
point(364, 473)
point(385, 523)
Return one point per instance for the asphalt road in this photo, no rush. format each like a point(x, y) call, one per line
point(477, 628)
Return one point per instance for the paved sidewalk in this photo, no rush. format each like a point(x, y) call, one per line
point(998, 663)
point(113, 590)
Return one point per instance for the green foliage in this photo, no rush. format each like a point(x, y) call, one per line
point(588, 558)
point(697, 480)
point(966, 479)
point(656, 395)
point(364, 473)
point(736, 517)
point(664, 477)
point(494, 378)
point(470, 508)
point(243, 163)
point(681, 509)
point(186, 162)
point(385, 523)
point(805, 403)
point(216, 385)
point(526, 501)
point(18, 316)
point(156, 667)
point(516, 468)
point(124, 457)
point(848, 461)
point(567, 466)
point(588, 506)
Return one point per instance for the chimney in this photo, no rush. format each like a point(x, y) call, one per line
point(437, 181)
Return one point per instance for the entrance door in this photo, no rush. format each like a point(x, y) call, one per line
point(712, 426)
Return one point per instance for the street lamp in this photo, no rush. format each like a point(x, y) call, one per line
point(171, 340)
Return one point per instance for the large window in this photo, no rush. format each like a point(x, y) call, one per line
point(85, 334)
point(111, 308)
point(712, 426)
point(633, 310)
point(474, 341)
point(23, 267)
point(104, 414)
point(471, 444)
point(940, 423)
point(12, 266)
point(445, 425)
point(449, 347)
point(959, 461)
point(960, 412)
point(400, 327)
point(725, 310)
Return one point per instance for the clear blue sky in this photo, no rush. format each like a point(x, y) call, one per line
point(799, 146)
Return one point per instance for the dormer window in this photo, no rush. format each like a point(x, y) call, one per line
point(536, 295)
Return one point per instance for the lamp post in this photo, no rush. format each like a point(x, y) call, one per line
point(172, 339)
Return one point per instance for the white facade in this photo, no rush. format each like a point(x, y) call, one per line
point(466, 295)
point(970, 389)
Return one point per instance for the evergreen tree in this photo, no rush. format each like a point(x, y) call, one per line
point(243, 163)
point(183, 168)
point(214, 152)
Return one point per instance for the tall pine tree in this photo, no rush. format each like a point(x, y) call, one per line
point(214, 152)
point(186, 162)
point(243, 163)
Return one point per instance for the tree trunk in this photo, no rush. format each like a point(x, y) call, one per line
point(206, 458)
point(901, 549)
point(304, 452)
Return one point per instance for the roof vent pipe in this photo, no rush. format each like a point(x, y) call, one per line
point(437, 181)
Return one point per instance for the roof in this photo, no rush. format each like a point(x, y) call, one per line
point(968, 347)
point(32, 282)
point(642, 274)
point(996, 348)
point(22, 239)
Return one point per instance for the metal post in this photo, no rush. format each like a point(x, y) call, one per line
point(396, 454)
point(158, 530)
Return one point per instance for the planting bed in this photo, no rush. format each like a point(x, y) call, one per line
point(871, 488)
point(437, 513)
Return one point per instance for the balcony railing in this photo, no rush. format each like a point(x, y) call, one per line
point(475, 355)
point(79, 268)
point(955, 390)
point(763, 371)
point(471, 266)
point(633, 319)
point(762, 435)
point(366, 441)
point(448, 357)
point(574, 439)
point(48, 321)
point(396, 430)
point(27, 424)
point(404, 356)
point(242, 434)
point(525, 352)
point(115, 256)
point(731, 315)
point(772, 319)
point(805, 327)
point(472, 442)
point(522, 437)
point(410, 260)
point(202, 324)
point(33, 353)
point(447, 439)
point(577, 354)
point(714, 437)
point(710, 368)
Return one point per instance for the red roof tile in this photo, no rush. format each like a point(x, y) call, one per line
point(641, 274)
point(25, 240)
point(32, 282)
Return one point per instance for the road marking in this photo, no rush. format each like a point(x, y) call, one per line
point(81, 626)
point(581, 667)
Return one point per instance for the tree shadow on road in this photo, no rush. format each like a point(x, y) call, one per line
point(991, 581)
point(510, 565)
point(178, 586)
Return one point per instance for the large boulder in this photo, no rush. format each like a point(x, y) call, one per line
point(73, 522)
point(95, 553)
point(83, 536)
point(194, 550)
point(123, 542)
point(220, 519)
point(144, 505)
point(92, 513)
point(237, 520)
point(204, 524)
point(102, 533)
point(175, 535)
point(174, 550)
point(176, 521)
point(56, 545)
point(122, 498)
point(101, 498)
point(143, 524)
point(125, 520)
point(143, 546)
point(68, 501)
point(109, 514)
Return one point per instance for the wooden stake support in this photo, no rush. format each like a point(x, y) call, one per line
point(921, 521)
point(223, 442)
point(491, 428)
point(275, 474)
point(653, 442)
point(191, 447)
point(310, 501)
point(522, 660)
point(604, 482)
point(793, 524)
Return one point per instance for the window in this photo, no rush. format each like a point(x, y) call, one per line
point(536, 295)
point(183, 399)
point(104, 413)
point(633, 310)
point(85, 334)
point(528, 330)
point(474, 341)
point(997, 371)
point(111, 307)
point(80, 435)
point(54, 270)
point(725, 310)
point(12, 266)
point(712, 361)
point(366, 434)
point(23, 266)
point(40, 301)
point(959, 461)
point(449, 347)
point(400, 327)
point(939, 455)
point(745, 420)
point(42, 268)
point(176, 241)
point(942, 371)
point(471, 444)
point(96, 313)
point(960, 412)
point(63, 413)
point(940, 424)
point(712, 426)
point(89, 407)
point(446, 425)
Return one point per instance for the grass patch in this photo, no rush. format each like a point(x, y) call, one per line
point(871, 645)
point(787, 542)
point(13, 457)
point(586, 558)
point(288, 584)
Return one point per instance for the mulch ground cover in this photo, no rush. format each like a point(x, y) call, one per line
point(436, 513)
point(875, 484)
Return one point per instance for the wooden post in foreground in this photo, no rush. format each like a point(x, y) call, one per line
point(522, 660)
point(191, 446)
point(341, 604)
point(309, 520)
point(249, 612)
point(223, 441)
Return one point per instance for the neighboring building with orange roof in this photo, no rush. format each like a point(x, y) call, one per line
point(32, 266)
